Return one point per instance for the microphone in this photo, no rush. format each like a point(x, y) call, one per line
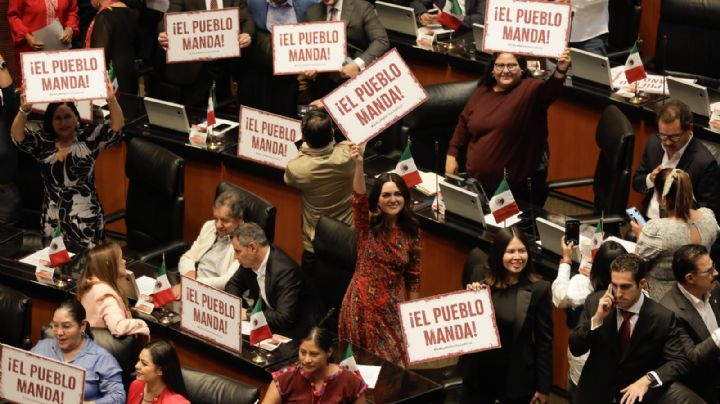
point(326, 317)
point(437, 180)
point(664, 68)
point(532, 211)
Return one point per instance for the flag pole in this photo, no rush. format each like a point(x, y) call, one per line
point(165, 318)
point(637, 99)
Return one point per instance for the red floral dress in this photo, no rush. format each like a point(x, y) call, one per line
point(388, 265)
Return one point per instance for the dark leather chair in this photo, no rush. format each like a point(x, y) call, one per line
point(210, 388)
point(258, 210)
point(16, 314)
point(624, 27)
point(615, 138)
point(125, 349)
point(435, 120)
point(476, 267)
point(155, 207)
point(335, 258)
point(30, 185)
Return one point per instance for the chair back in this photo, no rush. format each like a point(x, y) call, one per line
point(155, 206)
point(615, 138)
point(125, 349)
point(476, 267)
point(624, 24)
point(16, 314)
point(257, 210)
point(30, 184)
point(435, 120)
point(210, 388)
point(335, 258)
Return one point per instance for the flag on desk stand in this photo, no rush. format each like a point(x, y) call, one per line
point(259, 328)
point(348, 361)
point(502, 204)
point(451, 15)
point(634, 69)
point(597, 239)
point(114, 80)
point(407, 169)
point(57, 253)
point(163, 290)
point(211, 107)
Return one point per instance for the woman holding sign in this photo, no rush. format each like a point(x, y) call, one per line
point(388, 264)
point(72, 343)
point(66, 152)
point(159, 378)
point(503, 127)
point(521, 371)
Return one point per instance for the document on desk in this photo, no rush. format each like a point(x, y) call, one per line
point(40, 257)
point(369, 374)
point(490, 219)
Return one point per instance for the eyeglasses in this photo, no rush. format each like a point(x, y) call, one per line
point(510, 66)
point(673, 138)
point(710, 270)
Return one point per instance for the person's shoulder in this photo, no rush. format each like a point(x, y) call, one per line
point(43, 346)
point(669, 299)
point(658, 310)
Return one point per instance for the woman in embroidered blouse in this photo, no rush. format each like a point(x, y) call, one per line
point(66, 153)
point(99, 293)
point(73, 344)
point(388, 264)
point(314, 378)
point(159, 378)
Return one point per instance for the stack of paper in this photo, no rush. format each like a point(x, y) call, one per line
point(429, 185)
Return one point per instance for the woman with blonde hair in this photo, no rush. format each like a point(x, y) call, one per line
point(99, 293)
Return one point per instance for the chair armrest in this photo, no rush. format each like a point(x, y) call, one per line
point(571, 183)
point(115, 216)
point(592, 219)
point(173, 246)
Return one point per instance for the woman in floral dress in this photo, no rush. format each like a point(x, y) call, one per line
point(388, 264)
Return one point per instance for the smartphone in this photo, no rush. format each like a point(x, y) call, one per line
point(434, 11)
point(572, 231)
point(221, 127)
point(635, 215)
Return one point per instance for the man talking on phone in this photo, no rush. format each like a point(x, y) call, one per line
point(636, 348)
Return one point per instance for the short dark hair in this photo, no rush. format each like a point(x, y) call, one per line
point(606, 254)
point(685, 260)
point(673, 110)
point(317, 128)
point(76, 311)
point(165, 358)
point(321, 337)
point(497, 274)
point(234, 201)
point(488, 80)
point(631, 263)
point(248, 232)
point(50, 113)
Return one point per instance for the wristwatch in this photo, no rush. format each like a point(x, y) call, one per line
point(3, 65)
point(653, 381)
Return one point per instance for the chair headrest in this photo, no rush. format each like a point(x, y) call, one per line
point(155, 167)
point(210, 388)
point(336, 241)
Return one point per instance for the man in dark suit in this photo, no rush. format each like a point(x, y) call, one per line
point(266, 273)
point(694, 300)
point(195, 78)
point(635, 343)
point(676, 147)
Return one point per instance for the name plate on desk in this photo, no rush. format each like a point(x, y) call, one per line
point(267, 138)
point(31, 378)
point(449, 325)
point(211, 314)
point(527, 27)
point(202, 35)
point(376, 98)
point(319, 46)
point(64, 75)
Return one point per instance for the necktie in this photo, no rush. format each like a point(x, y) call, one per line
point(333, 16)
point(624, 332)
point(213, 5)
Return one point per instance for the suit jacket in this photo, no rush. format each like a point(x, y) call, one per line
point(696, 161)
point(657, 344)
point(474, 10)
point(530, 361)
point(282, 290)
point(364, 32)
point(705, 377)
point(206, 239)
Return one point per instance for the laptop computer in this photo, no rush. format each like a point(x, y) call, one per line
point(592, 67)
point(697, 97)
point(459, 201)
point(128, 285)
point(397, 18)
point(168, 115)
point(478, 32)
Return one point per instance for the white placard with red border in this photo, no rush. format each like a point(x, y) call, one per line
point(449, 325)
point(318, 46)
point(527, 27)
point(211, 314)
point(69, 75)
point(375, 99)
point(267, 138)
point(34, 379)
point(202, 35)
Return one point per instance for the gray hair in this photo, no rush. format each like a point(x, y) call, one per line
point(234, 201)
point(247, 232)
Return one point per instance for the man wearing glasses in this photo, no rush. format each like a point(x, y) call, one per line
point(674, 146)
point(694, 300)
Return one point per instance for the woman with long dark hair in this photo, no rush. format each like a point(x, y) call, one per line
point(158, 377)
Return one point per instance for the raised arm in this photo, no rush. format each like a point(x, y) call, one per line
point(17, 130)
point(356, 153)
point(117, 119)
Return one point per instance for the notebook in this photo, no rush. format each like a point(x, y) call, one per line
point(591, 66)
point(397, 18)
point(478, 32)
point(459, 201)
point(697, 97)
point(168, 115)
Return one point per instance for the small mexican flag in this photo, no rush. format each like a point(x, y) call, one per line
point(597, 239)
point(348, 361)
point(114, 80)
point(451, 15)
point(211, 106)
point(58, 253)
point(163, 290)
point(259, 328)
point(634, 69)
point(407, 169)
point(502, 204)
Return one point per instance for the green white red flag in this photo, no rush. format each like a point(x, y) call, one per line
point(163, 290)
point(634, 69)
point(451, 15)
point(211, 106)
point(407, 169)
point(502, 204)
point(259, 328)
point(57, 253)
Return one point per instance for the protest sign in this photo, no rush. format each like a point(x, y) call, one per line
point(211, 314)
point(267, 138)
point(202, 35)
point(31, 378)
point(64, 75)
point(375, 99)
point(318, 46)
point(535, 28)
point(449, 325)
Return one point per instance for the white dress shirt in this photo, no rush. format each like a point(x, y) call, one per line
point(260, 272)
point(705, 311)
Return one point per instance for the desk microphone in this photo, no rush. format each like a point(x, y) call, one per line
point(664, 68)
point(326, 317)
point(532, 211)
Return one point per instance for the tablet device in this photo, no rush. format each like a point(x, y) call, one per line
point(397, 18)
point(694, 95)
point(478, 32)
point(459, 201)
point(591, 66)
point(168, 115)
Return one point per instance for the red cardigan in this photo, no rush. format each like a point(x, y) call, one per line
point(28, 16)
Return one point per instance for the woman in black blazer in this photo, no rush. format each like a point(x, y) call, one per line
point(521, 370)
